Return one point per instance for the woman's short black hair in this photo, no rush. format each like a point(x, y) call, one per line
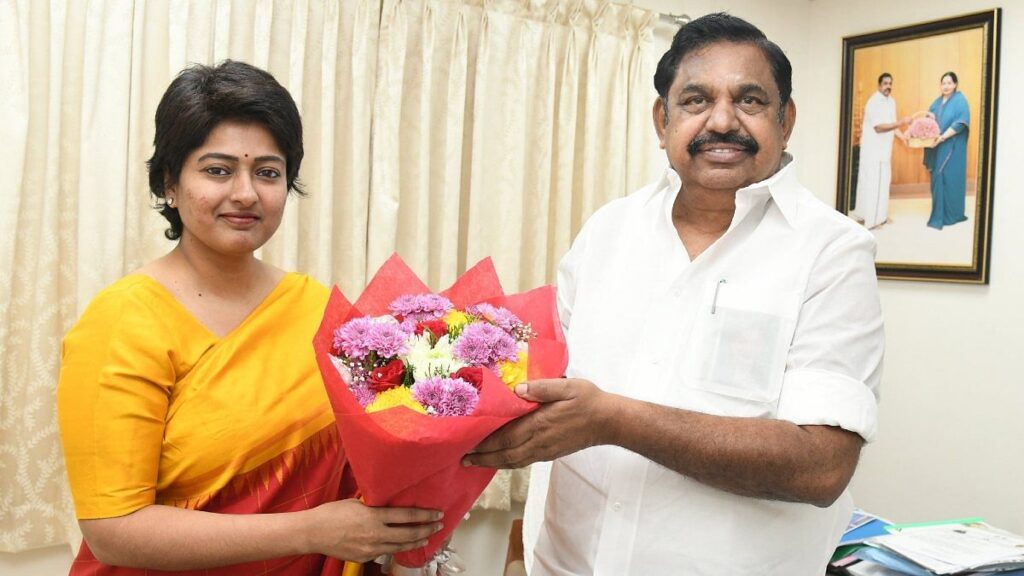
point(721, 27)
point(199, 99)
point(952, 76)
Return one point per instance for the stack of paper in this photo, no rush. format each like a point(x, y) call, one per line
point(872, 546)
point(956, 548)
point(862, 526)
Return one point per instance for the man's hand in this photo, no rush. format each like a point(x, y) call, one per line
point(573, 417)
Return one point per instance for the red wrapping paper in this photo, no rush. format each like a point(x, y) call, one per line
point(405, 459)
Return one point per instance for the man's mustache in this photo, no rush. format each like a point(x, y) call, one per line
point(746, 142)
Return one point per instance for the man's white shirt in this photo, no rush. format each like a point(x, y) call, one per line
point(874, 173)
point(779, 318)
point(880, 109)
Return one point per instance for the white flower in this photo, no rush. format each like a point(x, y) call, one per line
point(427, 360)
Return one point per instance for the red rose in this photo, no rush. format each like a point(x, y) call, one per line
point(387, 376)
point(471, 374)
point(436, 327)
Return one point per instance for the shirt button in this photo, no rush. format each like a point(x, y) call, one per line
point(617, 506)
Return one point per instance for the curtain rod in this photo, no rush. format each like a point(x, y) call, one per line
point(677, 20)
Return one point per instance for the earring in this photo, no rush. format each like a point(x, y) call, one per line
point(169, 202)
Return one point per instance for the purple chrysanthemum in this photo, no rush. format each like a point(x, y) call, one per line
point(483, 344)
point(429, 392)
point(409, 326)
point(420, 307)
point(363, 395)
point(359, 337)
point(500, 317)
point(446, 396)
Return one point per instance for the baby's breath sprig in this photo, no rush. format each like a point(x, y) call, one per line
point(523, 332)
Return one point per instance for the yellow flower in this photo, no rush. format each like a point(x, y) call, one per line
point(455, 319)
point(513, 373)
point(397, 396)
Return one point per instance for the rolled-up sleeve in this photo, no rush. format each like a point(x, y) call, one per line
point(834, 366)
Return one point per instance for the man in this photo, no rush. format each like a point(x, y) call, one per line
point(875, 171)
point(725, 343)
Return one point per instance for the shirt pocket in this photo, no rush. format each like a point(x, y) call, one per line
point(737, 348)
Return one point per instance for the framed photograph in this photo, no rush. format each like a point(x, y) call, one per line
point(917, 143)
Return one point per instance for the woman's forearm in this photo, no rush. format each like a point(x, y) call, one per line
point(168, 538)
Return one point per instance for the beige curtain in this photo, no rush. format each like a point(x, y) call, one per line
point(446, 130)
point(79, 88)
point(499, 126)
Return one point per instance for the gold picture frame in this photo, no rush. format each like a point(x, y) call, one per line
point(927, 200)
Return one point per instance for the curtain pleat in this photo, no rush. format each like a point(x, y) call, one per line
point(445, 130)
point(529, 104)
point(36, 291)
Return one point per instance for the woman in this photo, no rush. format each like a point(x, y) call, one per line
point(196, 429)
point(947, 161)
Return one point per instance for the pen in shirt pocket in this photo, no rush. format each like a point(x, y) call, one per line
point(714, 301)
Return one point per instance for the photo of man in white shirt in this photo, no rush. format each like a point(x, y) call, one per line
point(874, 171)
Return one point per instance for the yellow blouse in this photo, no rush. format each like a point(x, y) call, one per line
point(154, 408)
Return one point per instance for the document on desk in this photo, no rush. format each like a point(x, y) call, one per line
point(952, 548)
point(858, 519)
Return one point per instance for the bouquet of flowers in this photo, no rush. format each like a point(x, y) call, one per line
point(417, 380)
point(429, 356)
point(923, 132)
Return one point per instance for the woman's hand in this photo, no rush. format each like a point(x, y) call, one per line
point(350, 530)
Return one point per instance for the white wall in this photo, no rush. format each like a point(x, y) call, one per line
point(952, 415)
point(952, 412)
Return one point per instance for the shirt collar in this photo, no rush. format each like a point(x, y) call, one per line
point(780, 187)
